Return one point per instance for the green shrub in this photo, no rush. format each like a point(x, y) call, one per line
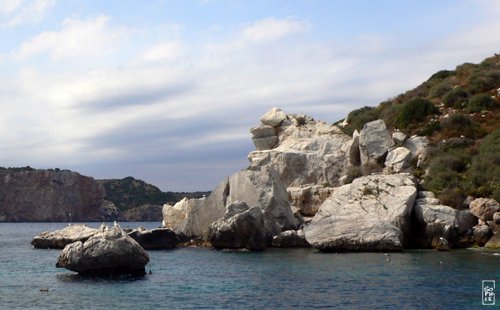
point(456, 98)
point(353, 172)
point(429, 129)
point(441, 75)
point(484, 171)
point(452, 197)
point(461, 124)
point(359, 117)
point(465, 69)
point(481, 102)
point(371, 167)
point(441, 89)
point(484, 81)
point(415, 110)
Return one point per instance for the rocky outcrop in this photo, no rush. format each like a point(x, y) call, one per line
point(52, 195)
point(264, 137)
point(191, 218)
point(263, 188)
point(58, 239)
point(418, 145)
point(155, 239)
point(273, 117)
point(308, 198)
point(398, 159)
point(372, 213)
point(110, 251)
point(399, 138)
point(143, 213)
point(484, 208)
point(307, 152)
point(353, 234)
point(493, 242)
point(241, 227)
point(434, 221)
point(482, 234)
point(291, 239)
point(374, 141)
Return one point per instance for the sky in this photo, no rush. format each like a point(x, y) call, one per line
point(166, 91)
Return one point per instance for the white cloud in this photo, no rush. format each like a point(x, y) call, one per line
point(77, 38)
point(9, 6)
point(18, 12)
point(178, 101)
point(162, 52)
point(273, 29)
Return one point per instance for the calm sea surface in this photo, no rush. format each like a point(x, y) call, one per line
point(274, 279)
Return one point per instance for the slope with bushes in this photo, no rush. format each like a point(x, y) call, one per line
point(459, 111)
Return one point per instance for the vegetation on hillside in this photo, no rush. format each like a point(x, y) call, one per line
point(459, 111)
point(128, 193)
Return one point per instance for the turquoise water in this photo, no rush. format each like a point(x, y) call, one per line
point(275, 279)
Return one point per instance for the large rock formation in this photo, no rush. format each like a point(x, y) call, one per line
point(484, 208)
point(263, 188)
point(371, 214)
point(52, 195)
point(58, 239)
point(307, 152)
point(241, 227)
point(434, 221)
point(110, 251)
point(191, 218)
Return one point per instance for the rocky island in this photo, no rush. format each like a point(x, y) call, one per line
point(417, 171)
point(420, 170)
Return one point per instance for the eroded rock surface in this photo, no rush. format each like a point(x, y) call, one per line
point(58, 239)
point(372, 213)
point(110, 251)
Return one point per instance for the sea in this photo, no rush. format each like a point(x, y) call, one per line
point(200, 278)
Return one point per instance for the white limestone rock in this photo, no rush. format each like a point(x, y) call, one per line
point(434, 221)
point(399, 137)
point(374, 141)
point(418, 146)
point(371, 213)
point(398, 159)
point(273, 117)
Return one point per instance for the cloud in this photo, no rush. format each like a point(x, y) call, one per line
point(176, 111)
point(18, 12)
point(9, 6)
point(162, 52)
point(77, 39)
point(271, 29)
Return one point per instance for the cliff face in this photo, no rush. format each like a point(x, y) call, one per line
point(51, 195)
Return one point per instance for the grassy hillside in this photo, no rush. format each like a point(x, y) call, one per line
point(459, 111)
point(129, 192)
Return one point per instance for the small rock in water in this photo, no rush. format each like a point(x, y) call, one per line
point(442, 245)
point(44, 289)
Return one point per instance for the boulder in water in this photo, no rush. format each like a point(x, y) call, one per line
point(58, 239)
point(108, 252)
point(155, 239)
point(241, 227)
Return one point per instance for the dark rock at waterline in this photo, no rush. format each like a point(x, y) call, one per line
point(241, 227)
point(110, 251)
point(58, 239)
point(482, 233)
point(291, 239)
point(155, 239)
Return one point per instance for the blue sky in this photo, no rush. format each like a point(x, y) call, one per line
point(166, 91)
